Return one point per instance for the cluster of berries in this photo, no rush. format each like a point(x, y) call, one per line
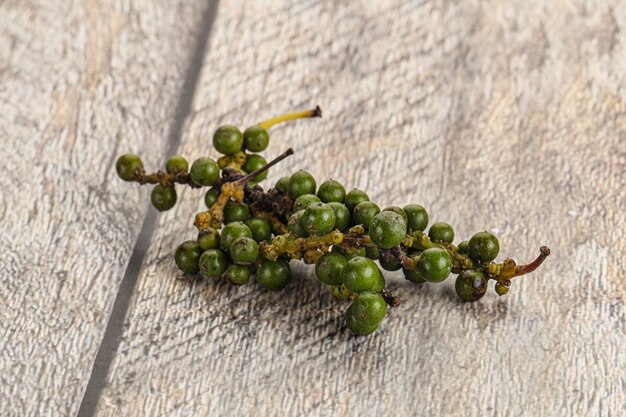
point(249, 231)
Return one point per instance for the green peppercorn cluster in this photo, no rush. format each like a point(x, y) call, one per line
point(248, 231)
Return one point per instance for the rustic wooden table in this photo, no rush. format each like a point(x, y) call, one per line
point(506, 115)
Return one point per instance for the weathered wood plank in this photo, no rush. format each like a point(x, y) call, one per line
point(82, 81)
point(500, 115)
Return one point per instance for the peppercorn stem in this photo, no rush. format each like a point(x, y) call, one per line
point(316, 112)
point(390, 299)
point(166, 179)
point(528, 268)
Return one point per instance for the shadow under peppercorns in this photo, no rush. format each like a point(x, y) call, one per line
point(306, 303)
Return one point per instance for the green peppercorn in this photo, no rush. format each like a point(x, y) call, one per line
point(254, 162)
point(340, 292)
point(380, 284)
point(282, 185)
point(231, 232)
point(417, 217)
point(256, 139)
point(399, 211)
point(163, 197)
point(260, 228)
point(204, 171)
point(502, 287)
point(441, 232)
point(365, 313)
point(213, 263)
point(342, 215)
point(209, 239)
point(329, 268)
point(187, 257)
point(331, 191)
point(318, 219)
point(227, 140)
point(304, 201)
point(387, 229)
point(389, 264)
point(354, 197)
point(464, 247)
point(176, 164)
point(360, 274)
point(210, 197)
point(128, 166)
point(471, 285)
point(295, 226)
point(413, 276)
point(274, 275)
point(434, 264)
point(364, 213)
point(483, 247)
point(244, 251)
point(237, 274)
point(372, 252)
point(301, 183)
point(236, 212)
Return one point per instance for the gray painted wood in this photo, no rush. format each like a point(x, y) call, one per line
point(501, 115)
point(497, 115)
point(81, 82)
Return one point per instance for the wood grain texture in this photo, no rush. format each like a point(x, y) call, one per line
point(81, 82)
point(506, 115)
point(500, 115)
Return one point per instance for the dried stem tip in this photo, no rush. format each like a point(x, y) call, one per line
point(528, 268)
point(316, 112)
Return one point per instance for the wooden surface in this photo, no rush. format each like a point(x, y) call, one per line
point(500, 115)
point(81, 82)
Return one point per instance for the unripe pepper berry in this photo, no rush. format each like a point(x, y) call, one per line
point(255, 139)
point(434, 264)
point(187, 257)
point(301, 183)
point(342, 215)
point(163, 197)
point(176, 164)
point(231, 232)
point(318, 219)
point(128, 166)
point(483, 247)
point(237, 274)
point(365, 313)
point(254, 162)
point(213, 263)
point(274, 275)
point(331, 191)
point(244, 251)
point(304, 201)
point(329, 268)
point(361, 274)
point(387, 229)
point(209, 239)
point(364, 213)
point(260, 228)
point(354, 197)
point(441, 232)
point(471, 285)
point(204, 171)
point(227, 140)
point(417, 217)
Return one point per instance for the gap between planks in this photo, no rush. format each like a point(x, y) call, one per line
point(115, 325)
